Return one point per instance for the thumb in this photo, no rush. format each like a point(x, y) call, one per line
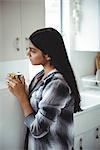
point(22, 78)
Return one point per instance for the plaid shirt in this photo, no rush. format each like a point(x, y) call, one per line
point(51, 124)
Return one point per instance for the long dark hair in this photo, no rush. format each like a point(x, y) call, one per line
point(50, 42)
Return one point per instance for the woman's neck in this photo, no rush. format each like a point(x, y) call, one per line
point(48, 69)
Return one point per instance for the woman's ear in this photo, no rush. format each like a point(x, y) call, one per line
point(47, 57)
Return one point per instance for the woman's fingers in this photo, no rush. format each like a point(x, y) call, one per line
point(22, 79)
point(16, 87)
point(13, 80)
point(10, 88)
point(11, 83)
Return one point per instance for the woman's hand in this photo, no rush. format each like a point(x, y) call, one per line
point(17, 87)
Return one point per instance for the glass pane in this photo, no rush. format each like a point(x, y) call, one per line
point(52, 14)
point(66, 24)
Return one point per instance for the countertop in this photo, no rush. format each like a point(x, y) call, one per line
point(90, 97)
point(87, 110)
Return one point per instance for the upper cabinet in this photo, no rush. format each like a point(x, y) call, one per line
point(10, 30)
point(18, 19)
point(88, 35)
point(33, 18)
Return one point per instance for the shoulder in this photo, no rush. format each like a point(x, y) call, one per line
point(56, 81)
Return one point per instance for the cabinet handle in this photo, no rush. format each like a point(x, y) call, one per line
point(27, 43)
point(97, 133)
point(81, 147)
point(17, 43)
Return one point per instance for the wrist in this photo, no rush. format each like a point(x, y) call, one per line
point(23, 98)
point(26, 107)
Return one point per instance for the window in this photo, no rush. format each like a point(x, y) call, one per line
point(57, 15)
point(52, 14)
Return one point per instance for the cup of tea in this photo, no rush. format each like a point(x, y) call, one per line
point(13, 75)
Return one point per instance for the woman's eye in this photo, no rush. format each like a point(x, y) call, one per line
point(32, 50)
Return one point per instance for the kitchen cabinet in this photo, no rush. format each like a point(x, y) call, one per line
point(88, 37)
point(11, 30)
point(12, 129)
point(88, 140)
point(87, 129)
point(90, 97)
point(19, 19)
point(33, 18)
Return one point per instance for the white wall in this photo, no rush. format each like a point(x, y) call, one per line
point(0, 27)
point(33, 70)
point(83, 62)
point(15, 66)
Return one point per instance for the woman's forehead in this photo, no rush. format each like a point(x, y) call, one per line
point(30, 44)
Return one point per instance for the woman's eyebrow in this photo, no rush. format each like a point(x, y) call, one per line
point(32, 48)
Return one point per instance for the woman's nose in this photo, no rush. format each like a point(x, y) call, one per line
point(28, 52)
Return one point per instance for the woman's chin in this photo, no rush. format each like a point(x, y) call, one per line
point(33, 63)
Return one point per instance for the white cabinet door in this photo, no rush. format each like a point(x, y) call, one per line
point(88, 38)
point(89, 140)
point(12, 129)
point(19, 19)
point(33, 18)
point(10, 30)
point(85, 127)
point(86, 120)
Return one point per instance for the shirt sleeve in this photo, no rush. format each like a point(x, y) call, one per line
point(54, 97)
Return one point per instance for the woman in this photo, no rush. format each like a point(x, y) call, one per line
point(53, 95)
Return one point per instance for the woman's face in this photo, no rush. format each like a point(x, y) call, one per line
point(35, 55)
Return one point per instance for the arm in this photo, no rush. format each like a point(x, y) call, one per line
point(54, 98)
